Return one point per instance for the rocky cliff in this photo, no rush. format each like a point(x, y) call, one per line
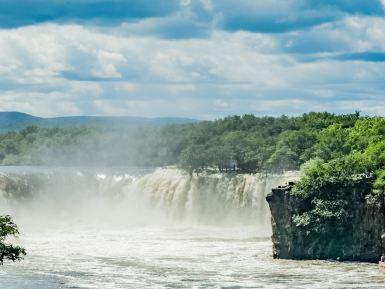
point(354, 233)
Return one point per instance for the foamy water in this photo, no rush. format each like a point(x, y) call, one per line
point(161, 230)
point(171, 257)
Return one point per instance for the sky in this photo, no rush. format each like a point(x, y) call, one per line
point(201, 59)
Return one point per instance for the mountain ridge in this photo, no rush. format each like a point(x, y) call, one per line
point(14, 120)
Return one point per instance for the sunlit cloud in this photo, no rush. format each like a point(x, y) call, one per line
point(201, 59)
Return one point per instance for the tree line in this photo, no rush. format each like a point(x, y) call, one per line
point(245, 144)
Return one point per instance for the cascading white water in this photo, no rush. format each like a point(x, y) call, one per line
point(211, 198)
point(164, 194)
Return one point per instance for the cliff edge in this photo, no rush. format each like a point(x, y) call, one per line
point(352, 235)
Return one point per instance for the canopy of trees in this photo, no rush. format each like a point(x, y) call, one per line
point(242, 143)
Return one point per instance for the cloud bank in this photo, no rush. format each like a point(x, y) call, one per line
point(197, 58)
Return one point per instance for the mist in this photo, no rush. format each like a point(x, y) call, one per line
point(113, 198)
point(87, 146)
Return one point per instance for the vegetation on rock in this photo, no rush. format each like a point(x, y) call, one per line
point(345, 155)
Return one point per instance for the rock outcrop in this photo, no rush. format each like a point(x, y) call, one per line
point(357, 238)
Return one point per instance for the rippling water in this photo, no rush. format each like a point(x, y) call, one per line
point(92, 229)
point(171, 256)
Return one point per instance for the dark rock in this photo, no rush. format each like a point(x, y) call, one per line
point(357, 239)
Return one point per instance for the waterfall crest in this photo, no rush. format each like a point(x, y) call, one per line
point(163, 194)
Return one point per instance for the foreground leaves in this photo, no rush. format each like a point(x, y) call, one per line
point(8, 251)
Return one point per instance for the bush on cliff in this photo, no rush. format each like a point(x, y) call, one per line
point(345, 156)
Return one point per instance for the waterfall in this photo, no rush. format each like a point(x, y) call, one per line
point(140, 197)
point(211, 198)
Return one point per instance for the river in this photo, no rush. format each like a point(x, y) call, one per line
point(96, 230)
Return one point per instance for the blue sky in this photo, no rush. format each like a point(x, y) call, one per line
point(192, 58)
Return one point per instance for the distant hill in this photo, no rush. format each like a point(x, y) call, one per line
point(18, 120)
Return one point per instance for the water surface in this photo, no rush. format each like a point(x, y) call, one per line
point(171, 256)
point(127, 228)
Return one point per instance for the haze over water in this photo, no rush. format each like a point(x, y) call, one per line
point(124, 230)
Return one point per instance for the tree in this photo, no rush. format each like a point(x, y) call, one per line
point(290, 149)
point(9, 251)
point(366, 131)
point(333, 142)
point(194, 158)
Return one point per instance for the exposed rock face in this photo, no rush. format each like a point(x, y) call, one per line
point(18, 186)
point(358, 238)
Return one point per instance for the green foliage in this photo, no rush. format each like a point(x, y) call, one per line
point(325, 213)
point(291, 149)
point(9, 251)
point(256, 144)
point(194, 158)
point(240, 143)
point(366, 131)
point(346, 156)
point(332, 142)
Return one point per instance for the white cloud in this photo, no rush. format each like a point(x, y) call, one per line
point(69, 69)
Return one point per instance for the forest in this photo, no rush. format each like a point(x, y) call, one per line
point(245, 144)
